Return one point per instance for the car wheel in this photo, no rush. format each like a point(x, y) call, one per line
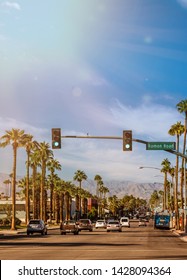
point(46, 232)
point(28, 233)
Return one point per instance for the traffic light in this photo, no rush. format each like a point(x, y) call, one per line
point(56, 138)
point(127, 140)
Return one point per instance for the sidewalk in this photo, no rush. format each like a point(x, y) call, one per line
point(23, 230)
point(182, 234)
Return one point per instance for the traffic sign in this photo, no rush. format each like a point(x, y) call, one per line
point(160, 146)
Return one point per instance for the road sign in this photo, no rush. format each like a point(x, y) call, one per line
point(160, 145)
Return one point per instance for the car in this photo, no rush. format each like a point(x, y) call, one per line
point(36, 226)
point(85, 224)
point(125, 222)
point(142, 222)
point(69, 226)
point(100, 224)
point(113, 226)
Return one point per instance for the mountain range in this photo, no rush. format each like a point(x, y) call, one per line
point(118, 188)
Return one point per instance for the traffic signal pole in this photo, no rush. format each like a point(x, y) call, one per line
point(121, 138)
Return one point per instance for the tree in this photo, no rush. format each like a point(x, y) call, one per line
point(182, 108)
point(80, 176)
point(45, 155)
point(52, 165)
point(29, 146)
point(165, 169)
point(7, 182)
point(98, 180)
point(177, 129)
point(34, 163)
point(17, 138)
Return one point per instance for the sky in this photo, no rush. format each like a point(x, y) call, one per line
point(94, 67)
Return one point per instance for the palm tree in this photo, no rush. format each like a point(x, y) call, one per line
point(45, 155)
point(177, 129)
point(34, 163)
point(165, 169)
point(52, 165)
point(98, 180)
point(30, 145)
point(7, 182)
point(113, 204)
point(17, 138)
point(182, 108)
point(80, 176)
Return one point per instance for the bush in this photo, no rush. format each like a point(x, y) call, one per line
point(8, 221)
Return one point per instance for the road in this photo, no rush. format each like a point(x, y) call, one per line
point(131, 244)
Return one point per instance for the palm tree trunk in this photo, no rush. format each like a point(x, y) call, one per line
point(27, 193)
point(13, 226)
point(176, 187)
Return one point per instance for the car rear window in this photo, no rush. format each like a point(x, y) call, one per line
point(34, 222)
point(84, 221)
point(124, 220)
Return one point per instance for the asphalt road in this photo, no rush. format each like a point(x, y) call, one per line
point(131, 244)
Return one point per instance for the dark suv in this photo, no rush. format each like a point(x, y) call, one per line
point(36, 226)
point(85, 224)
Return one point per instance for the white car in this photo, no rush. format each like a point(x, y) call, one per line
point(113, 226)
point(125, 222)
point(100, 224)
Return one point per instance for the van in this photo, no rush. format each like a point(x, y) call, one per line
point(125, 222)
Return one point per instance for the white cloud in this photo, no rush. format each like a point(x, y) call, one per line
point(148, 119)
point(11, 5)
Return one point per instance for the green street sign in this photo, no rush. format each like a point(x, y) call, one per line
point(160, 145)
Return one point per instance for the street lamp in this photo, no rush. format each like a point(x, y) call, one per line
point(165, 182)
point(141, 167)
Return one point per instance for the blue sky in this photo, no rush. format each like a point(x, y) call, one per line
point(97, 67)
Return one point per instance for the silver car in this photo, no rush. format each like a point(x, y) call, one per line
point(113, 226)
point(36, 226)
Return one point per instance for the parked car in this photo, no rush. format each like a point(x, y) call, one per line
point(85, 224)
point(100, 224)
point(113, 226)
point(125, 222)
point(36, 226)
point(69, 226)
point(142, 222)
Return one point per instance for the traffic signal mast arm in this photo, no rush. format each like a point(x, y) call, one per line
point(121, 138)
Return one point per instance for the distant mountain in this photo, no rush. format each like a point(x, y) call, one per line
point(118, 188)
point(122, 188)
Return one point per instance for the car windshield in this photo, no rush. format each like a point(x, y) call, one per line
point(100, 221)
point(124, 220)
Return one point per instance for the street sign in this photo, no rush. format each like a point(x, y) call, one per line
point(160, 145)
